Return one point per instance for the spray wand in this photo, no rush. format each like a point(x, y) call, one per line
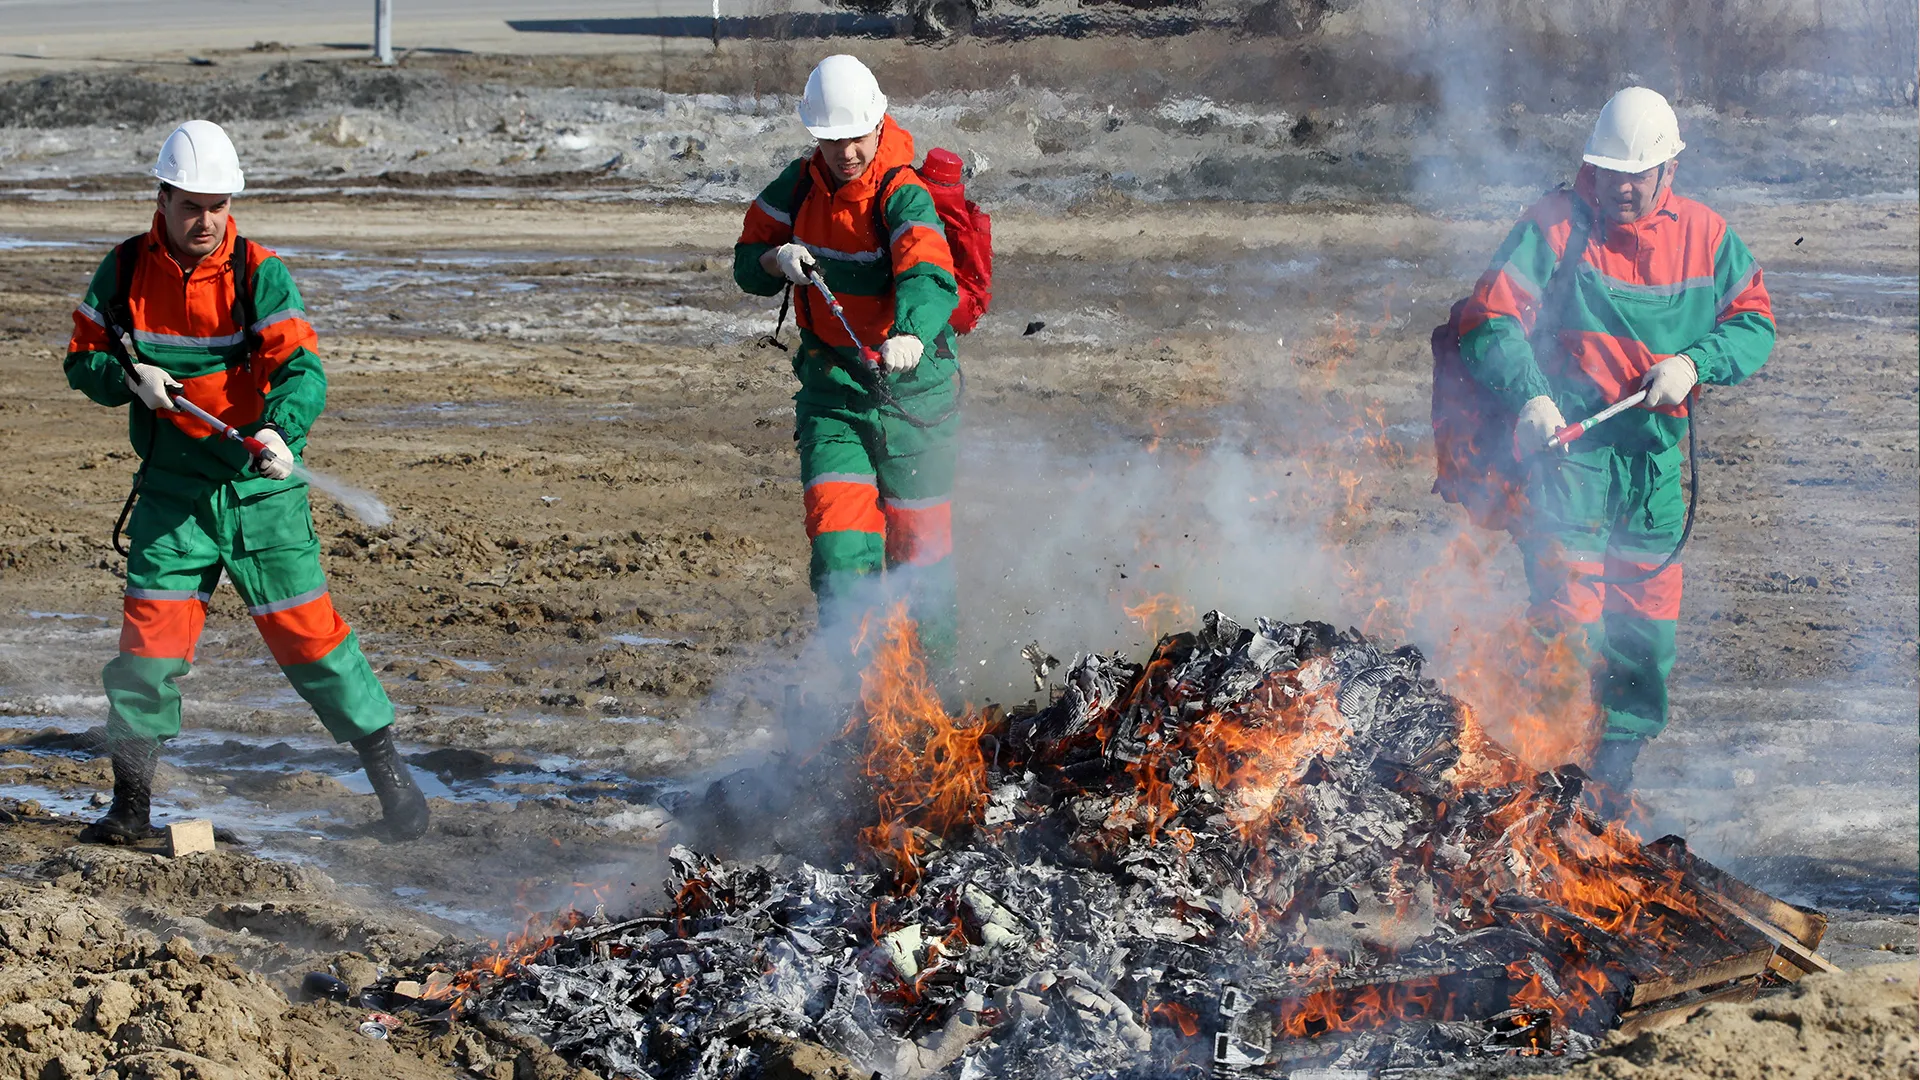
point(1574, 431)
point(254, 446)
point(833, 304)
point(871, 375)
point(362, 504)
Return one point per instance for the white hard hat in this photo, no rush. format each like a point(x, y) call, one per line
point(1636, 131)
point(842, 100)
point(198, 157)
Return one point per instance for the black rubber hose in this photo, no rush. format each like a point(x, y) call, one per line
point(1693, 503)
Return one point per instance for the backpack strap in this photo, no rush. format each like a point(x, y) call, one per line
point(245, 311)
point(880, 211)
point(119, 313)
point(802, 188)
point(126, 258)
point(1581, 227)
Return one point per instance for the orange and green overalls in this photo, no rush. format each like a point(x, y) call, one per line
point(878, 486)
point(202, 511)
point(1677, 280)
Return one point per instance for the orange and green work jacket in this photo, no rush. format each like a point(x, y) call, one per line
point(898, 283)
point(186, 324)
point(1676, 280)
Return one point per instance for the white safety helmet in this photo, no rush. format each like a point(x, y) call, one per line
point(1636, 131)
point(198, 157)
point(842, 100)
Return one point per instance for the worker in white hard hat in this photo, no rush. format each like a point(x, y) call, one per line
point(192, 310)
point(1661, 296)
point(876, 434)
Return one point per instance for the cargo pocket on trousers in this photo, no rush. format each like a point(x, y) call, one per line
point(277, 519)
point(1665, 506)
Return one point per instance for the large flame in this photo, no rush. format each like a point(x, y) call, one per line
point(1256, 757)
point(925, 765)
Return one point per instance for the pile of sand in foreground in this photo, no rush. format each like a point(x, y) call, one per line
point(1859, 1025)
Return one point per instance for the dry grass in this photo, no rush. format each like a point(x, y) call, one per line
point(1767, 57)
point(1542, 54)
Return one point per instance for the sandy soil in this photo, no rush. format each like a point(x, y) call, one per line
point(592, 597)
point(1860, 1024)
point(124, 964)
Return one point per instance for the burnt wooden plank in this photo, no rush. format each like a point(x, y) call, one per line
point(1805, 926)
point(1786, 948)
point(1742, 965)
point(1788, 927)
point(1672, 1013)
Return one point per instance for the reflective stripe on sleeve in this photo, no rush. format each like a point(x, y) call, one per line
point(908, 225)
point(1735, 290)
point(277, 317)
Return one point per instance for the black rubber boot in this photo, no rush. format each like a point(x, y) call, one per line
point(1613, 772)
point(402, 805)
point(128, 820)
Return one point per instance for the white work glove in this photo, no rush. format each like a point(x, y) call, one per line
point(1670, 381)
point(794, 261)
point(901, 353)
point(276, 463)
point(1539, 419)
point(154, 387)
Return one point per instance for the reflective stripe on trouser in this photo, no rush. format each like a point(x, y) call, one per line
point(1617, 513)
point(267, 546)
point(878, 495)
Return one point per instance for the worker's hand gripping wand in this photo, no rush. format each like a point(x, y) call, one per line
point(1574, 431)
point(363, 505)
point(1571, 432)
point(254, 446)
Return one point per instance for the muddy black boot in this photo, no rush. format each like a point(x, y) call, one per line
point(128, 820)
point(1613, 773)
point(402, 805)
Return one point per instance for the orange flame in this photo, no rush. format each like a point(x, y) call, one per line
point(1253, 758)
point(1179, 1016)
point(506, 957)
point(1330, 1010)
point(1158, 614)
point(925, 766)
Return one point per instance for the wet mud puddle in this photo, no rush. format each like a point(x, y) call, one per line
point(654, 296)
point(302, 799)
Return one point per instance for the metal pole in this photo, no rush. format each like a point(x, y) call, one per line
point(383, 32)
point(716, 23)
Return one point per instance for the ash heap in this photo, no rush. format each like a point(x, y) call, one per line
point(1265, 850)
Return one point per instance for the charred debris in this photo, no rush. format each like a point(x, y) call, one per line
point(1267, 851)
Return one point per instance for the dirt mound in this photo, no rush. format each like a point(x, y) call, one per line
point(125, 964)
point(91, 871)
point(1853, 1026)
point(83, 97)
point(85, 995)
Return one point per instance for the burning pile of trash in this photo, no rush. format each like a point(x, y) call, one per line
point(1266, 848)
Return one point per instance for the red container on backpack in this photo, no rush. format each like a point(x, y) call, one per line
point(969, 235)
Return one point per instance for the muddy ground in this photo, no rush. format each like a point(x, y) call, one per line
point(592, 597)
